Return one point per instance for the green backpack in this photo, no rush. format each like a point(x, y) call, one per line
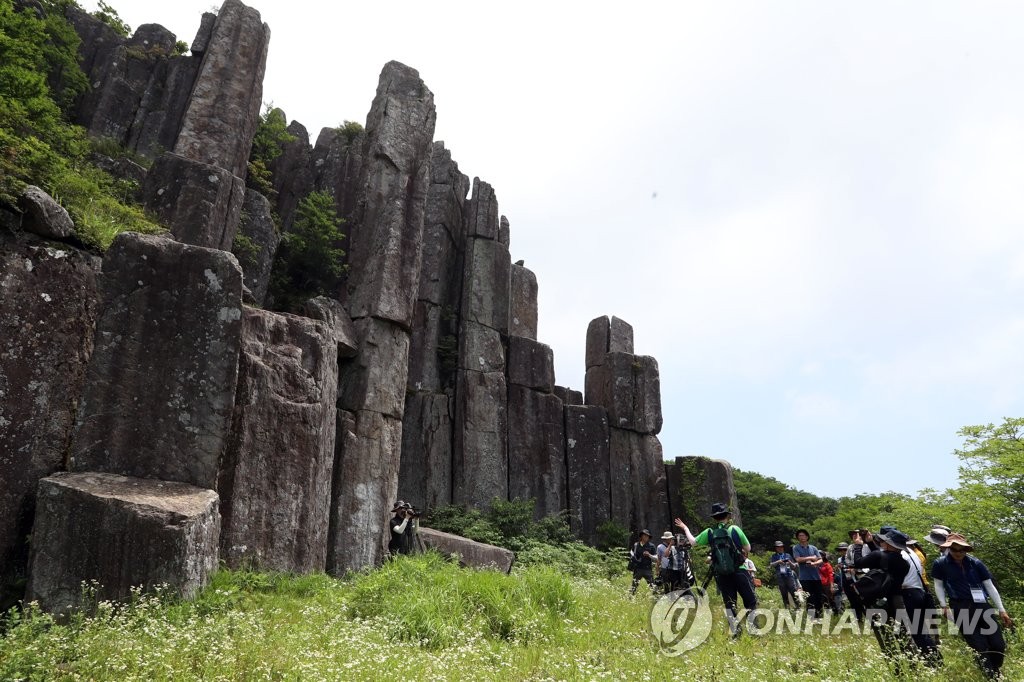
point(725, 557)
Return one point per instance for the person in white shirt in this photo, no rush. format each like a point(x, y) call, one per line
point(915, 604)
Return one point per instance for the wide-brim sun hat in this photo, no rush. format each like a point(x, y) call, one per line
point(667, 535)
point(398, 505)
point(893, 537)
point(719, 509)
point(937, 536)
point(957, 540)
point(645, 532)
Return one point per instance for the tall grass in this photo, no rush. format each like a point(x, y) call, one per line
point(421, 618)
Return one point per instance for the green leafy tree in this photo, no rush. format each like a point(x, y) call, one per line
point(989, 502)
point(267, 144)
point(773, 511)
point(310, 259)
point(109, 16)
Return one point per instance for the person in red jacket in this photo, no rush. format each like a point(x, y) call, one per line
point(827, 580)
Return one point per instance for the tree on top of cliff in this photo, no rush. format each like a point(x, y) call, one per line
point(268, 143)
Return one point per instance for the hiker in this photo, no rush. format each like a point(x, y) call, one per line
point(964, 587)
point(932, 627)
point(751, 569)
point(869, 540)
point(729, 547)
point(937, 536)
point(668, 558)
point(840, 577)
point(827, 581)
point(888, 581)
point(918, 606)
point(402, 531)
point(640, 561)
point(854, 551)
point(809, 559)
point(784, 564)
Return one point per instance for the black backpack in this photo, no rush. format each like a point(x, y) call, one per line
point(874, 585)
point(726, 559)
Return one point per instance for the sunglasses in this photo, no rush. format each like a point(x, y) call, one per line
point(958, 550)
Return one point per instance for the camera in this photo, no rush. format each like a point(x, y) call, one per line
point(412, 512)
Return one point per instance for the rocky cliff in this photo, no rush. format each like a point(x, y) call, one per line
point(146, 391)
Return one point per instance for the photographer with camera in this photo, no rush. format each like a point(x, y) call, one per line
point(404, 525)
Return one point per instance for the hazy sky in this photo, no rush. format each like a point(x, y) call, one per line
point(811, 213)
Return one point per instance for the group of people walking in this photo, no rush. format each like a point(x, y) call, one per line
point(874, 573)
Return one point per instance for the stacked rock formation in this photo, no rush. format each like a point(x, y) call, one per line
point(205, 430)
point(628, 387)
point(695, 483)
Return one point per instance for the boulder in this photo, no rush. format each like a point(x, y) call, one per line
point(368, 452)
point(536, 450)
point(338, 322)
point(531, 364)
point(256, 253)
point(160, 386)
point(275, 482)
point(387, 240)
point(376, 378)
point(695, 483)
point(523, 320)
point(122, 533)
point(469, 553)
point(480, 461)
point(607, 336)
point(587, 470)
point(43, 215)
point(223, 109)
point(48, 304)
point(425, 474)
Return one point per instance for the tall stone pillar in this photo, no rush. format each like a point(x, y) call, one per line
point(425, 478)
point(628, 387)
point(198, 190)
point(480, 463)
point(381, 297)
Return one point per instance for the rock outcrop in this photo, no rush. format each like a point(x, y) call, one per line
point(48, 303)
point(386, 240)
point(275, 480)
point(695, 483)
point(118, 533)
point(160, 385)
point(588, 476)
point(255, 253)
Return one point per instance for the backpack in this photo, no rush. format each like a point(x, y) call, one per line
point(725, 557)
point(873, 585)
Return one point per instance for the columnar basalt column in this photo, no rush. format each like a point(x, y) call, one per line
point(381, 290)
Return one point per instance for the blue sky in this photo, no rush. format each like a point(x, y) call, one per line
point(812, 215)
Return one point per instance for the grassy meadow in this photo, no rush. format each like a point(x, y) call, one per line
point(423, 618)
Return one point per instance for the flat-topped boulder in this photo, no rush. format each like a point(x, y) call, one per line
point(122, 533)
point(467, 552)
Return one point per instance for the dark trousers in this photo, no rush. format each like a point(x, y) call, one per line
point(916, 605)
point(856, 603)
point(787, 588)
point(815, 597)
point(988, 646)
point(731, 585)
point(669, 579)
point(645, 573)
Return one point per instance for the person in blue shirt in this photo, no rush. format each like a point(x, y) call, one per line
point(963, 586)
point(809, 558)
point(784, 565)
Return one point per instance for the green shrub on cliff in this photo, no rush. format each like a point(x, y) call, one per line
point(310, 258)
point(39, 80)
